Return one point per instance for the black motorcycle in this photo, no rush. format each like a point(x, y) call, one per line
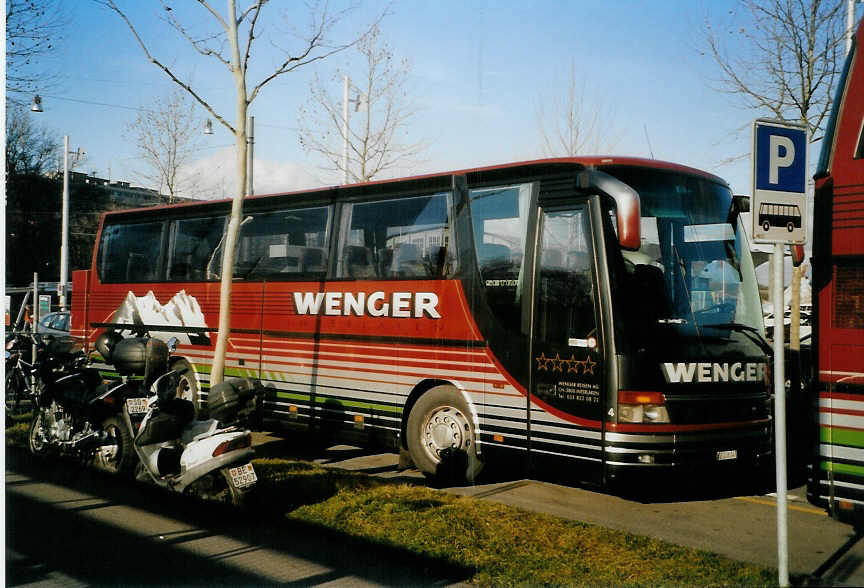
point(76, 414)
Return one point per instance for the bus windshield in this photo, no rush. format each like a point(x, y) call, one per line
point(693, 276)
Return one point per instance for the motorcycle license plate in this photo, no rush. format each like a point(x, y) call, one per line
point(243, 476)
point(136, 405)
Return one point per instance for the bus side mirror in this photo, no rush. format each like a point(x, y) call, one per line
point(797, 254)
point(626, 204)
point(742, 203)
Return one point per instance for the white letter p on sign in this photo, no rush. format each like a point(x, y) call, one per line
point(776, 161)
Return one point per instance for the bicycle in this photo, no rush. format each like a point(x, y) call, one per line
point(22, 378)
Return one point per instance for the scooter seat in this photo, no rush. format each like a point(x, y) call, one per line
point(159, 428)
point(199, 430)
point(168, 424)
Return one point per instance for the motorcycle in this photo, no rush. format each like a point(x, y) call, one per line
point(207, 458)
point(75, 413)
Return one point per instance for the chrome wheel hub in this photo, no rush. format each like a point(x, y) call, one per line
point(446, 428)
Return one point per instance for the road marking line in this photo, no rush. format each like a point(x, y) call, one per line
point(808, 509)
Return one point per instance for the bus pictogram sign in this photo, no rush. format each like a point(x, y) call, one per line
point(779, 182)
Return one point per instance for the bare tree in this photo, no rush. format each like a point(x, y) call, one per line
point(785, 62)
point(167, 135)
point(229, 40)
point(376, 142)
point(33, 30)
point(575, 125)
point(29, 149)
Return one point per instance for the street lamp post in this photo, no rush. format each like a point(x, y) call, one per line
point(64, 223)
point(64, 228)
point(346, 84)
point(64, 216)
point(250, 156)
point(850, 22)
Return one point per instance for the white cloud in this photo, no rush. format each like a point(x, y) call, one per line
point(214, 177)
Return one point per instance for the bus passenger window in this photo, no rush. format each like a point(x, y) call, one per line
point(500, 219)
point(395, 239)
point(130, 253)
point(194, 246)
point(284, 244)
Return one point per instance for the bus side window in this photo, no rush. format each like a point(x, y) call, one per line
point(130, 252)
point(404, 238)
point(194, 245)
point(284, 244)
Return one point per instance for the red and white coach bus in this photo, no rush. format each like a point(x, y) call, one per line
point(837, 478)
point(597, 314)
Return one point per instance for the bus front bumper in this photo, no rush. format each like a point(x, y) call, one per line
point(718, 449)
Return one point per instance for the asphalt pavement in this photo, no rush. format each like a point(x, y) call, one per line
point(67, 526)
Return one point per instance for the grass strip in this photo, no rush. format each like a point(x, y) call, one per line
point(502, 545)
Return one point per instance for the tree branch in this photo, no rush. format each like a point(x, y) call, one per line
point(111, 5)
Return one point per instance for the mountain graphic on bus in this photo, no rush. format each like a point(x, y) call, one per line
point(779, 215)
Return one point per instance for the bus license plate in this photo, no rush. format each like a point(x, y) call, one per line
point(243, 476)
point(136, 405)
point(724, 455)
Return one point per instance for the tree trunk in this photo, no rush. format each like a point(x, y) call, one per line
point(233, 232)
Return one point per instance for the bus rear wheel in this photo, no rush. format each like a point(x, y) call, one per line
point(441, 436)
point(790, 227)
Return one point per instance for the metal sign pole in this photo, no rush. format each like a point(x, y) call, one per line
point(35, 318)
point(779, 211)
point(780, 418)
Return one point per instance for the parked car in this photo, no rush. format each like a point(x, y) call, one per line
point(54, 323)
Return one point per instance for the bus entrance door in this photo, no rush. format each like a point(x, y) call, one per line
point(566, 354)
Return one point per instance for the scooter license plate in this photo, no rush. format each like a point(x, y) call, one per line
point(243, 476)
point(136, 405)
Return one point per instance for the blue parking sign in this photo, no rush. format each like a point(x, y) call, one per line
point(781, 158)
point(779, 203)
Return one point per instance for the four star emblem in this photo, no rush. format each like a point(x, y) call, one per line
point(571, 365)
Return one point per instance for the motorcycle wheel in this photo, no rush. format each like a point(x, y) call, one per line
point(36, 440)
point(216, 487)
point(118, 459)
point(187, 386)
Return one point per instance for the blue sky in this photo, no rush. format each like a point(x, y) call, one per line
point(480, 70)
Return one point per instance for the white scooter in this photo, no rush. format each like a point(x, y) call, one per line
point(208, 458)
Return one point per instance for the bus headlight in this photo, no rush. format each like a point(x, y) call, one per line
point(642, 407)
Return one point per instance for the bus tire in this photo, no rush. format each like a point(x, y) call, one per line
point(187, 386)
point(441, 436)
point(790, 227)
point(766, 225)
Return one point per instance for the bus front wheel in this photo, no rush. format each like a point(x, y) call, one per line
point(441, 436)
point(766, 225)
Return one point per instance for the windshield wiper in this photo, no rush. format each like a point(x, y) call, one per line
point(746, 330)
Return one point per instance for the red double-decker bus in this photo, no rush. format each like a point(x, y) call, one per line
point(595, 315)
point(837, 479)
